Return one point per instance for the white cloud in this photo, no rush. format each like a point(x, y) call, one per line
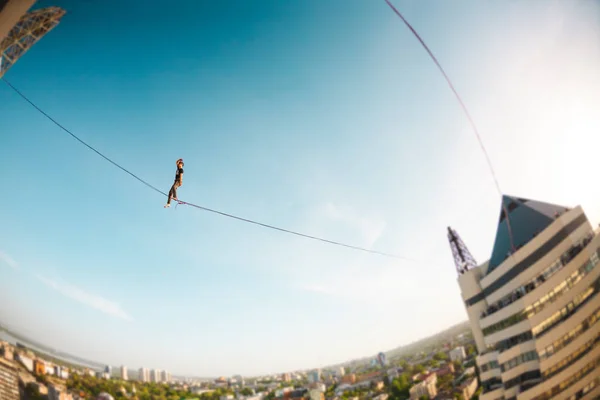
point(371, 228)
point(8, 260)
point(97, 302)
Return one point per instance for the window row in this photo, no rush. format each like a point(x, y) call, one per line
point(572, 358)
point(491, 384)
point(548, 298)
point(586, 389)
point(518, 360)
point(573, 379)
point(573, 334)
point(490, 366)
point(568, 310)
point(524, 377)
point(564, 313)
point(512, 341)
point(537, 281)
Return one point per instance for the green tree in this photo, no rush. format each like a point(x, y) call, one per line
point(399, 389)
point(440, 356)
point(330, 391)
point(32, 392)
point(418, 369)
point(457, 365)
point(246, 392)
point(404, 364)
point(471, 350)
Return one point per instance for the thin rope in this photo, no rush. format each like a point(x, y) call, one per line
point(196, 205)
point(466, 111)
point(462, 104)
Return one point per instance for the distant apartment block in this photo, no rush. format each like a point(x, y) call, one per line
point(155, 376)
point(468, 388)
point(314, 376)
point(123, 373)
point(9, 381)
point(6, 351)
point(144, 375)
point(458, 354)
point(428, 388)
point(533, 306)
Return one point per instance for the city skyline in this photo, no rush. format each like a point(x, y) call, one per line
point(338, 127)
point(144, 373)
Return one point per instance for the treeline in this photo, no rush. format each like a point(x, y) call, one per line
point(91, 387)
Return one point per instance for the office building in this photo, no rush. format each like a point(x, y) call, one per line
point(123, 371)
point(9, 381)
point(533, 306)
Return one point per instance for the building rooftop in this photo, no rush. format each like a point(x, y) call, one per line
point(527, 218)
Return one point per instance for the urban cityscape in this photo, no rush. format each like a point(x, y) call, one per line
point(442, 366)
point(530, 332)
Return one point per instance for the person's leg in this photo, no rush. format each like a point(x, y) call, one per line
point(172, 193)
point(175, 186)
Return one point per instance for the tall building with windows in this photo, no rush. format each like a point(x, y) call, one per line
point(314, 376)
point(9, 381)
point(155, 376)
point(144, 375)
point(123, 373)
point(533, 306)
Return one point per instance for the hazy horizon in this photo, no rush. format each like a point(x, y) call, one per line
point(7, 335)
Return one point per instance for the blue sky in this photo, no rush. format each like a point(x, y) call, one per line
point(323, 117)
